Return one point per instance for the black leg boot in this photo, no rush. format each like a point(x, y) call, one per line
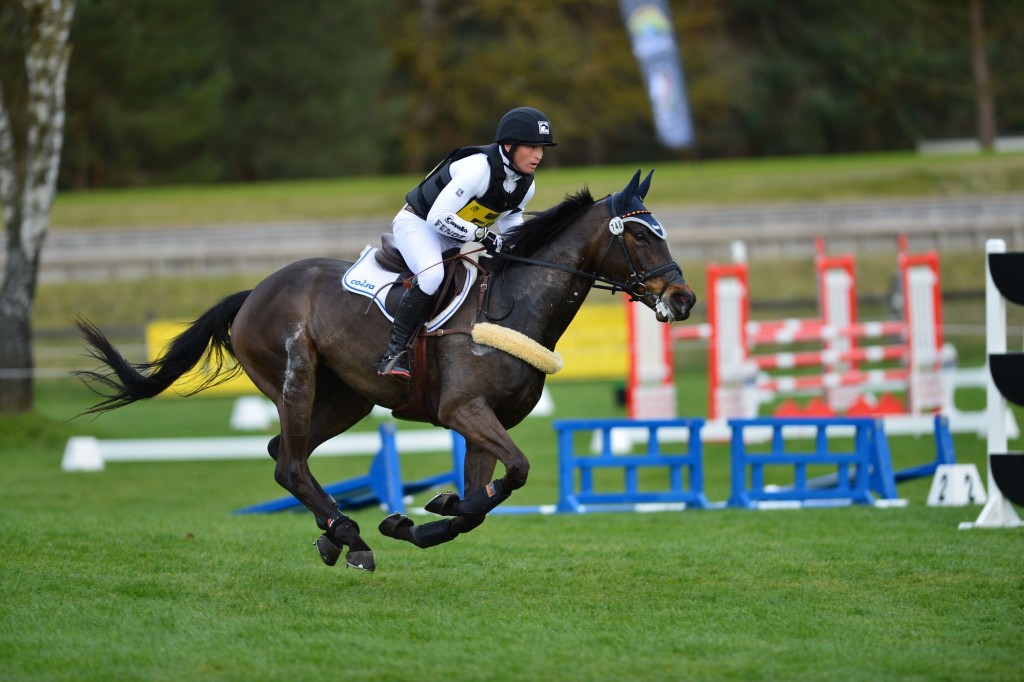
point(401, 527)
point(413, 311)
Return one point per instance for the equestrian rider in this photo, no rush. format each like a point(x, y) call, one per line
point(475, 194)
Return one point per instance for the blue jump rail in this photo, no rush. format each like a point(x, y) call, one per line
point(682, 468)
point(867, 467)
point(382, 484)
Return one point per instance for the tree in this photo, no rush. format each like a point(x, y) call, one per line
point(145, 94)
point(28, 179)
point(982, 81)
point(306, 89)
point(461, 65)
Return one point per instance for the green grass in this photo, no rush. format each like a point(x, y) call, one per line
point(141, 572)
point(720, 182)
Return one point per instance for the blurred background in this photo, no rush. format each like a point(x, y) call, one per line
point(203, 91)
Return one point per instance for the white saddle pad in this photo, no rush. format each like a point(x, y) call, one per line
point(369, 279)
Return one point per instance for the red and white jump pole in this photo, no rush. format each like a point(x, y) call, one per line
point(738, 381)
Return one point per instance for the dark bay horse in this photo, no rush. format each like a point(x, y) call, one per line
point(312, 348)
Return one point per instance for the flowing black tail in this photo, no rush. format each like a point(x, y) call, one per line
point(123, 383)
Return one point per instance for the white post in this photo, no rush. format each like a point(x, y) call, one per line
point(921, 329)
point(997, 512)
point(995, 342)
point(738, 250)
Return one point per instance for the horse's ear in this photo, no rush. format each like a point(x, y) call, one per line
point(645, 186)
point(630, 189)
point(622, 199)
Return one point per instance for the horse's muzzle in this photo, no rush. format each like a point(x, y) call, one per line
point(676, 302)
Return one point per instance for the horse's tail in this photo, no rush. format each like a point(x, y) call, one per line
point(205, 340)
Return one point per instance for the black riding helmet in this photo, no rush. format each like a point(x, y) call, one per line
point(524, 125)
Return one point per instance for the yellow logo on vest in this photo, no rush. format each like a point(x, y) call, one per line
point(478, 214)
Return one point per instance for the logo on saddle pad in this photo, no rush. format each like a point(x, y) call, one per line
point(368, 278)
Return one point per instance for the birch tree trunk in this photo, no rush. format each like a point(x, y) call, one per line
point(27, 187)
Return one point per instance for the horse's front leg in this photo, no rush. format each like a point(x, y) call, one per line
point(487, 442)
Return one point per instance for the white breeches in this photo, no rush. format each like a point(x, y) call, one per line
point(422, 248)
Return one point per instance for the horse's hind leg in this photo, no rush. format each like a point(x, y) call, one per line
point(336, 408)
point(305, 423)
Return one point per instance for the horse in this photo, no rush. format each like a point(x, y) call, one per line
point(312, 349)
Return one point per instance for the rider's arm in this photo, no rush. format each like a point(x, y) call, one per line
point(470, 177)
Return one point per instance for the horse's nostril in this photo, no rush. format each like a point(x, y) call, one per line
point(686, 299)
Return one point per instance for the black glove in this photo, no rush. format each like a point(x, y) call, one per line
point(491, 241)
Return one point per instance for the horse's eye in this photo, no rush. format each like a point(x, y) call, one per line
point(640, 236)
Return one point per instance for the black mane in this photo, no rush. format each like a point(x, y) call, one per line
point(542, 227)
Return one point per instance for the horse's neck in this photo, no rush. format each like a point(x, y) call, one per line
point(550, 311)
point(546, 299)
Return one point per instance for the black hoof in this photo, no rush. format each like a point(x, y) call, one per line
point(361, 560)
point(392, 523)
point(329, 552)
point(444, 504)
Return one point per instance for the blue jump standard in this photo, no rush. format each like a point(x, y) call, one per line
point(865, 469)
point(685, 470)
point(383, 484)
point(944, 455)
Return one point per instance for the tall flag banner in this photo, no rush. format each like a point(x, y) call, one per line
point(649, 24)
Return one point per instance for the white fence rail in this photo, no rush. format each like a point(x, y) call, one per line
point(695, 232)
point(86, 453)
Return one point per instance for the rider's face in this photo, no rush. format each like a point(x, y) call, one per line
point(526, 157)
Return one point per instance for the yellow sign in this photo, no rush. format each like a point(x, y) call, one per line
point(594, 347)
point(159, 335)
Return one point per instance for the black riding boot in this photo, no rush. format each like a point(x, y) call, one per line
point(413, 311)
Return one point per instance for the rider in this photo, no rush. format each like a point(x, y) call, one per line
point(471, 192)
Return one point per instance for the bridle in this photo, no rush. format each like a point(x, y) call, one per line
point(635, 286)
point(637, 289)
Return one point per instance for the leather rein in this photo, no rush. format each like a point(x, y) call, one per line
point(635, 287)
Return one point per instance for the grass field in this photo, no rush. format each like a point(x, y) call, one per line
point(142, 572)
point(705, 182)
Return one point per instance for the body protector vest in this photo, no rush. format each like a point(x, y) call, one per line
point(483, 211)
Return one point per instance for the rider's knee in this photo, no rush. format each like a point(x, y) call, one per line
point(429, 281)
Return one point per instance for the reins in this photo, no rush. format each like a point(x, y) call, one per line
point(635, 288)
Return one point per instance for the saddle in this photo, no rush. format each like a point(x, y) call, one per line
point(390, 258)
point(378, 270)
